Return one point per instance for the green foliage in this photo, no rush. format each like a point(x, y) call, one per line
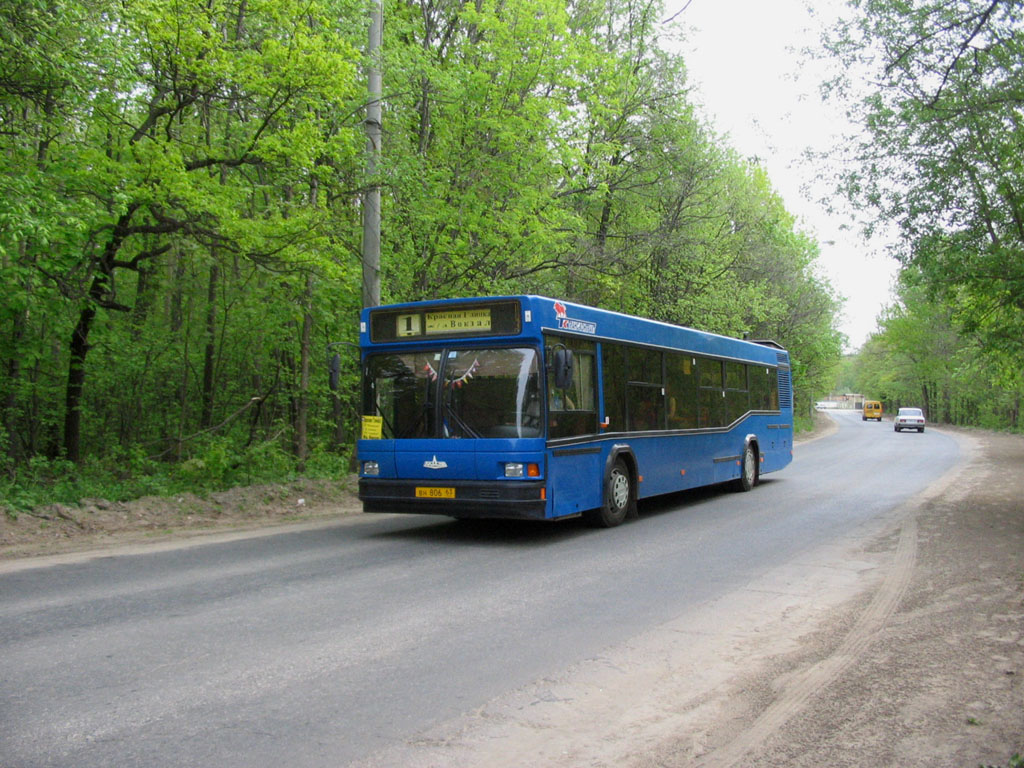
point(921, 358)
point(42, 481)
point(1016, 761)
point(218, 463)
point(939, 159)
point(179, 220)
point(215, 465)
point(167, 214)
point(472, 160)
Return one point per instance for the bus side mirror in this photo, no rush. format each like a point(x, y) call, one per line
point(562, 363)
point(334, 371)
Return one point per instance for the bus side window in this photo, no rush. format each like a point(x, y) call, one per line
point(711, 411)
point(614, 379)
point(764, 395)
point(681, 391)
point(573, 410)
point(646, 406)
point(737, 399)
point(645, 392)
point(764, 388)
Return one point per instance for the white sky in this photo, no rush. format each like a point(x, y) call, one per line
point(747, 70)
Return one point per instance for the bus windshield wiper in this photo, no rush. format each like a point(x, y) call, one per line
point(458, 421)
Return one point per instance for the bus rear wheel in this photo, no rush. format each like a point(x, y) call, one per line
point(618, 498)
point(748, 469)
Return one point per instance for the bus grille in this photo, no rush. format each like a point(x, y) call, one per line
point(785, 382)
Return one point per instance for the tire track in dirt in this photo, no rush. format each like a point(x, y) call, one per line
point(816, 678)
point(820, 675)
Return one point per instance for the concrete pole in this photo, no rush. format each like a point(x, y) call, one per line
point(371, 197)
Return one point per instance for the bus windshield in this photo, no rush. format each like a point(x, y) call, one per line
point(455, 393)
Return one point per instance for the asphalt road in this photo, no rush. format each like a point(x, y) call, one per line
point(320, 647)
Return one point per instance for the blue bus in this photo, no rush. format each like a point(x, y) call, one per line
point(533, 408)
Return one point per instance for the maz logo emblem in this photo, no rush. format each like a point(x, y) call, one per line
point(435, 464)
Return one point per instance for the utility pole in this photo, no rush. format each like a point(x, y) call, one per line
point(371, 197)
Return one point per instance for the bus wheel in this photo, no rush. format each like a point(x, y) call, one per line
point(748, 469)
point(618, 498)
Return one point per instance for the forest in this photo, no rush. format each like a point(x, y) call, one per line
point(939, 165)
point(180, 218)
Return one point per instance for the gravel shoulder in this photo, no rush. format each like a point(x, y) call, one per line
point(903, 646)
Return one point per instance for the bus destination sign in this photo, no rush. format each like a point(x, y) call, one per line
point(492, 318)
point(457, 321)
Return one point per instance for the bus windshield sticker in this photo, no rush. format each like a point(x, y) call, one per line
point(457, 320)
point(373, 427)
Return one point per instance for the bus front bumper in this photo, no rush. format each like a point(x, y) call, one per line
point(511, 500)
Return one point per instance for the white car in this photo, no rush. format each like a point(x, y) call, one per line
point(909, 418)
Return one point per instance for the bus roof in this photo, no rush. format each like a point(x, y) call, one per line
point(471, 318)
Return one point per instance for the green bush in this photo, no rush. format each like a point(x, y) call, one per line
point(127, 474)
point(1017, 761)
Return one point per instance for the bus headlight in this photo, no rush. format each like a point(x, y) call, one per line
point(371, 468)
point(518, 469)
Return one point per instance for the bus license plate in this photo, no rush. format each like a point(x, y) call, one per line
point(435, 493)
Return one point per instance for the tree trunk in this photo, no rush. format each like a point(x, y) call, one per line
point(302, 406)
point(76, 382)
point(10, 405)
point(79, 347)
point(302, 410)
point(209, 355)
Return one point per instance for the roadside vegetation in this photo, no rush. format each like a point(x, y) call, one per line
point(938, 164)
point(1017, 761)
point(180, 224)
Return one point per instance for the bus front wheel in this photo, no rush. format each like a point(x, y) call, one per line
point(748, 469)
point(618, 498)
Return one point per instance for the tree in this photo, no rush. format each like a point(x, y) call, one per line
point(940, 155)
point(186, 137)
point(921, 358)
point(180, 236)
point(471, 149)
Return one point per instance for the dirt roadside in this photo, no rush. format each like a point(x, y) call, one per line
point(903, 646)
point(94, 524)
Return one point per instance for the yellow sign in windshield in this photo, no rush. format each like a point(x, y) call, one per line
point(458, 320)
point(373, 427)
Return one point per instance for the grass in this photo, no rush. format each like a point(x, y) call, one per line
point(41, 482)
point(1016, 761)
